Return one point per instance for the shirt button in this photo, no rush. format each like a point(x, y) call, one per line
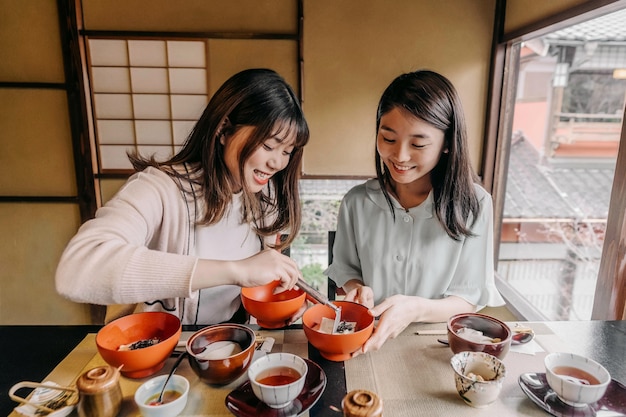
point(407, 219)
point(399, 258)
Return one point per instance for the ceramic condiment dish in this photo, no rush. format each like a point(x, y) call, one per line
point(478, 377)
point(174, 399)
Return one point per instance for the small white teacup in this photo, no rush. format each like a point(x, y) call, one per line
point(575, 379)
point(278, 378)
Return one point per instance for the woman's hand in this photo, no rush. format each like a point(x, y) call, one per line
point(396, 313)
point(259, 269)
point(359, 293)
point(267, 266)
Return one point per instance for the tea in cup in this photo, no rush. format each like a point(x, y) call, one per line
point(277, 378)
point(575, 379)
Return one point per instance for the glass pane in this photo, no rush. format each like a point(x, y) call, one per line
point(188, 81)
point(320, 200)
point(115, 157)
point(161, 153)
point(186, 53)
point(149, 80)
point(154, 132)
point(110, 80)
point(116, 132)
point(182, 130)
point(147, 53)
point(566, 131)
point(113, 106)
point(108, 52)
point(188, 107)
point(151, 106)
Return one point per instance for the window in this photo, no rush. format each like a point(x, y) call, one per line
point(147, 95)
point(565, 133)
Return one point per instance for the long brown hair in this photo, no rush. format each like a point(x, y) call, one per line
point(262, 99)
point(432, 98)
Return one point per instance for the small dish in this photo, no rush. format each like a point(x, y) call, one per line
point(535, 386)
point(243, 403)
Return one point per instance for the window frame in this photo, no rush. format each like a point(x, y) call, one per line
point(610, 294)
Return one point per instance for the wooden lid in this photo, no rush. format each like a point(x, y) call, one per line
point(100, 379)
point(362, 403)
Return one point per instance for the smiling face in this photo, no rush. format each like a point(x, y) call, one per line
point(410, 148)
point(268, 159)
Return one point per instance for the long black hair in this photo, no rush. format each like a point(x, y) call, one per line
point(432, 97)
point(260, 98)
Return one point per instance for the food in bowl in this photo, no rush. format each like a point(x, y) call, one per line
point(174, 398)
point(221, 353)
point(278, 378)
point(477, 332)
point(575, 379)
point(478, 377)
point(272, 311)
point(140, 344)
point(115, 337)
point(338, 346)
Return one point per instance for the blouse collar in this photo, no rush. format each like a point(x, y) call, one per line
point(374, 193)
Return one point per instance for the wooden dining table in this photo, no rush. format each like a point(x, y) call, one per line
point(411, 373)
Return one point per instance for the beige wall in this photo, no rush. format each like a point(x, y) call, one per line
point(352, 50)
point(520, 13)
point(35, 160)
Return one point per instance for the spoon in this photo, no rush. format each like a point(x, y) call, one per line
point(159, 400)
point(320, 298)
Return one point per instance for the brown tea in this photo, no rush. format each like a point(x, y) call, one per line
point(279, 375)
point(168, 396)
point(576, 373)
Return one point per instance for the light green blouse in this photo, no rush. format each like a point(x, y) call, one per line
point(412, 255)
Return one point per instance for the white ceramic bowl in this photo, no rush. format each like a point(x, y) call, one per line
point(566, 383)
point(153, 387)
point(474, 391)
point(279, 366)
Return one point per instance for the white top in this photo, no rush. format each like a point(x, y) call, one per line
point(228, 240)
point(413, 255)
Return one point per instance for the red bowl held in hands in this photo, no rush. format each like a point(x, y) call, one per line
point(338, 346)
point(161, 329)
point(272, 310)
point(479, 333)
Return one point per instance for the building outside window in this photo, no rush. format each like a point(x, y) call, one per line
point(566, 131)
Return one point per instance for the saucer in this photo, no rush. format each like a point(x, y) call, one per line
point(243, 403)
point(535, 386)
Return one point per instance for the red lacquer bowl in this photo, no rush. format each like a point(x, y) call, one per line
point(272, 311)
point(489, 326)
point(139, 363)
point(338, 347)
point(221, 371)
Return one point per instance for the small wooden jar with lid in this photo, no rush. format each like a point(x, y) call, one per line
point(362, 403)
point(100, 392)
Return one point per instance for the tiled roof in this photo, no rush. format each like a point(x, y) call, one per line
point(610, 27)
point(326, 189)
point(542, 189)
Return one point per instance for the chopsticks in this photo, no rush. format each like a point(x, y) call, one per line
point(432, 332)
